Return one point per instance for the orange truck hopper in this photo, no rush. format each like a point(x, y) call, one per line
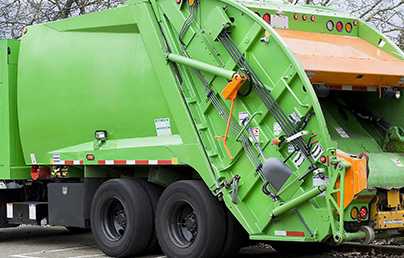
point(335, 60)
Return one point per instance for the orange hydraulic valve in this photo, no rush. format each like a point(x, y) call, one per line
point(230, 92)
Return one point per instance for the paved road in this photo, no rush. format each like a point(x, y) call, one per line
point(56, 242)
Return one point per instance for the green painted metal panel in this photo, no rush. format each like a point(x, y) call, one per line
point(12, 164)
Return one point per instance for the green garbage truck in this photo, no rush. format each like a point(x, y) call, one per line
point(196, 126)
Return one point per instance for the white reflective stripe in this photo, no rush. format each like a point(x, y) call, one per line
point(131, 162)
point(153, 162)
point(109, 162)
point(76, 162)
point(9, 210)
point(372, 89)
point(280, 233)
point(32, 211)
point(59, 162)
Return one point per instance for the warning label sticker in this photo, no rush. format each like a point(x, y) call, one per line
point(163, 126)
point(243, 118)
point(277, 129)
point(256, 133)
point(33, 159)
point(280, 21)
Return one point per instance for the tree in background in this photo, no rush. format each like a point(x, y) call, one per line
point(15, 15)
point(386, 15)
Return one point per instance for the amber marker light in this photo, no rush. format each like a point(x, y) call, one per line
point(348, 27)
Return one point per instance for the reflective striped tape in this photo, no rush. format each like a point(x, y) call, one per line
point(119, 162)
point(68, 162)
point(289, 233)
point(353, 88)
point(138, 162)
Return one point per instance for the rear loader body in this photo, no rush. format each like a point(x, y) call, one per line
point(290, 115)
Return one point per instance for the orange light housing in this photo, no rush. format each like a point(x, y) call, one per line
point(354, 213)
point(348, 27)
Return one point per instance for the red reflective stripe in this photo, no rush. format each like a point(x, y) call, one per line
point(120, 162)
point(101, 162)
point(69, 162)
point(295, 234)
point(164, 162)
point(142, 162)
point(81, 162)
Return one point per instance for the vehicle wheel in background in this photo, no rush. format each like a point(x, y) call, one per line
point(236, 237)
point(154, 192)
point(122, 218)
point(190, 221)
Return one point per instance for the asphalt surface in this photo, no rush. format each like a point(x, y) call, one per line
point(57, 242)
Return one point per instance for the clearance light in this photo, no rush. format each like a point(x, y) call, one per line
point(354, 213)
point(304, 17)
point(90, 156)
point(296, 17)
point(267, 18)
point(340, 26)
point(363, 213)
point(330, 25)
point(313, 18)
point(348, 27)
point(355, 23)
point(397, 94)
point(323, 159)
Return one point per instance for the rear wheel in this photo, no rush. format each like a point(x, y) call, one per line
point(154, 193)
point(236, 237)
point(122, 218)
point(190, 222)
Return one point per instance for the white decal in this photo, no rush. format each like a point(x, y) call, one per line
point(10, 214)
point(243, 118)
point(342, 132)
point(33, 159)
point(256, 133)
point(280, 22)
point(56, 158)
point(291, 148)
point(163, 126)
point(299, 159)
point(398, 163)
point(32, 211)
point(277, 129)
point(295, 117)
point(317, 151)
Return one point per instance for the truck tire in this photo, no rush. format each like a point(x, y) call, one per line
point(122, 218)
point(236, 237)
point(190, 222)
point(154, 193)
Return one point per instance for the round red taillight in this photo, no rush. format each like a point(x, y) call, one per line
point(323, 159)
point(363, 213)
point(267, 18)
point(340, 26)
